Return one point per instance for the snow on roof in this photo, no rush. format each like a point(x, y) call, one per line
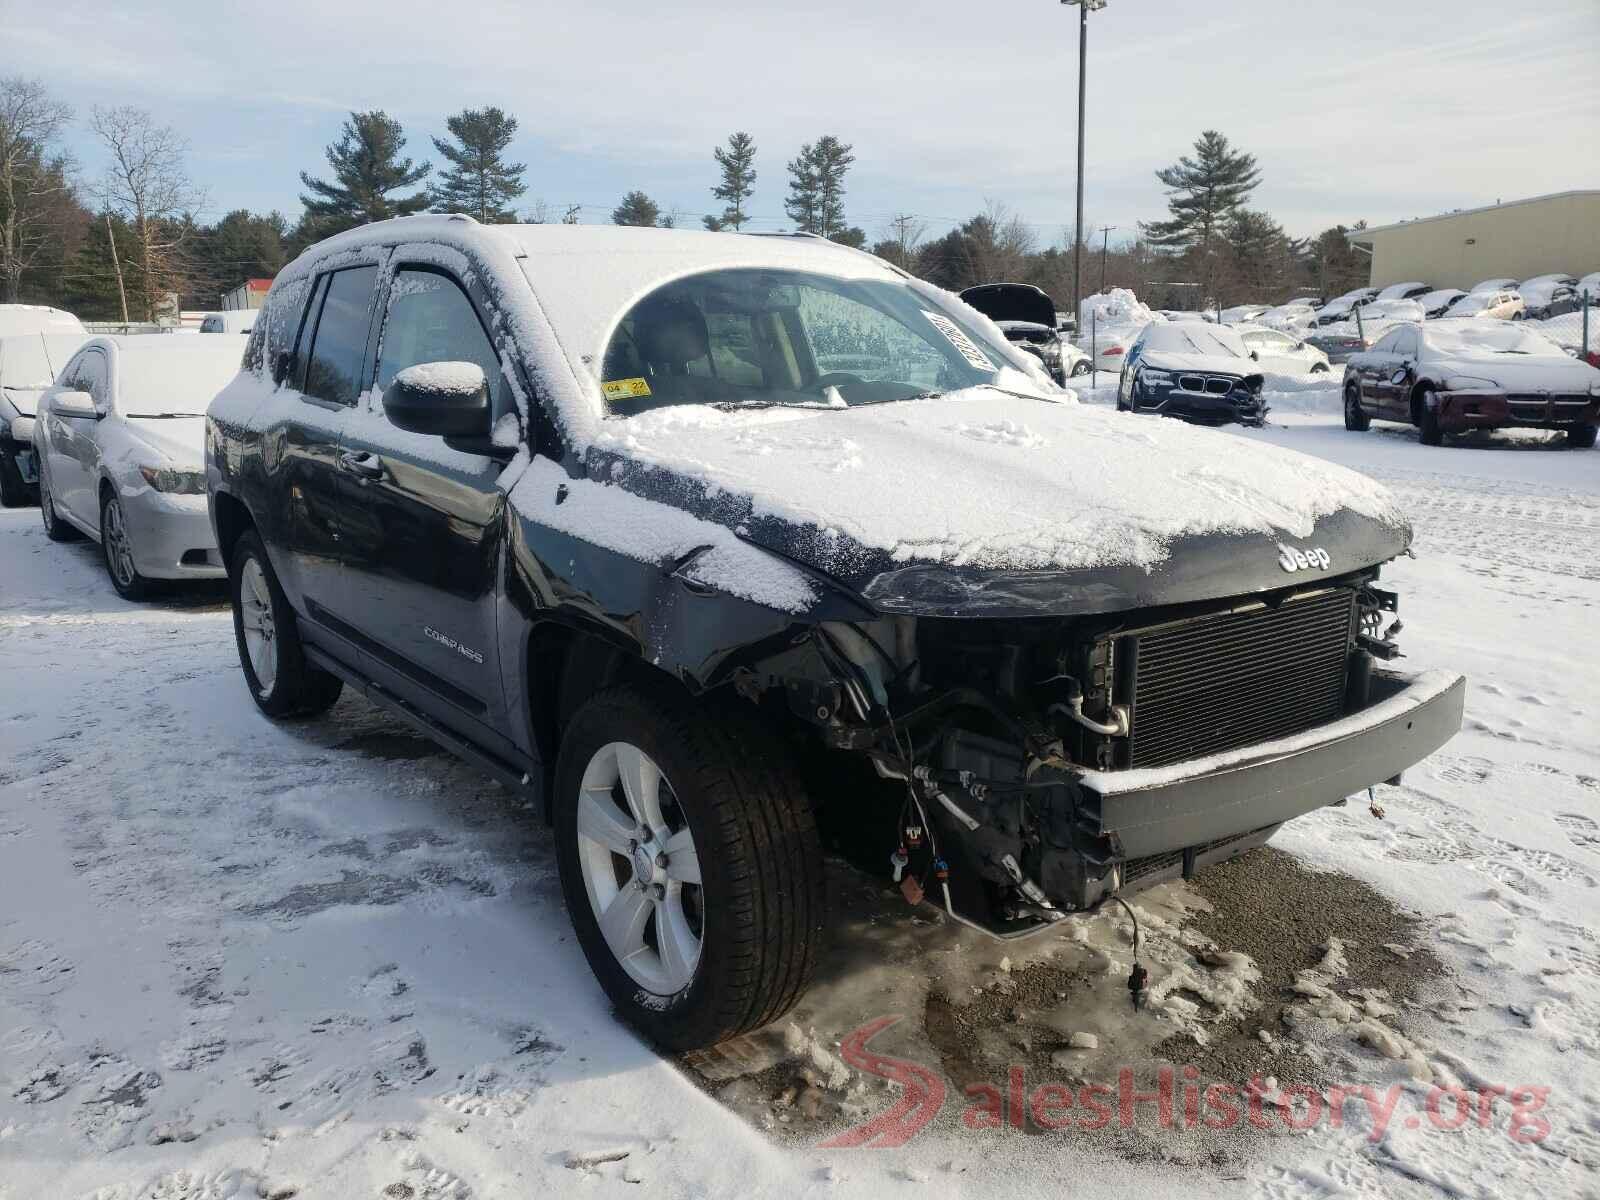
point(36, 318)
point(1362, 235)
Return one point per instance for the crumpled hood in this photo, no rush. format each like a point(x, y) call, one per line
point(1215, 364)
point(180, 440)
point(981, 486)
point(1547, 373)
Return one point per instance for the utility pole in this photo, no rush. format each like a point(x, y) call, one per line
point(1105, 242)
point(1084, 7)
point(116, 265)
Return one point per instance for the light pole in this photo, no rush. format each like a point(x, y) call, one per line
point(1085, 7)
point(1105, 244)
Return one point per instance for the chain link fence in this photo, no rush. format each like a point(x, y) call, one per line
point(1576, 332)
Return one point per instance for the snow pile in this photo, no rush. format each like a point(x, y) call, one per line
point(1118, 306)
point(1042, 485)
point(650, 532)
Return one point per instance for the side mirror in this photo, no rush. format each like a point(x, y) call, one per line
point(74, 404)
point(1399, 376)
point(1299, 345)
point(1254, 356)
point(447, 399)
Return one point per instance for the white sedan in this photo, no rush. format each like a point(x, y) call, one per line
point(1282, 353)
point(120, 441)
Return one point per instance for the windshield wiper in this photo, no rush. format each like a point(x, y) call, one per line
point(163, 416)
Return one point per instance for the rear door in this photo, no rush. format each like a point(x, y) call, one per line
point(423, 515)
point(300, 446)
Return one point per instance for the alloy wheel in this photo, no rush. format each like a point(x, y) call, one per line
point(118, 549)
point(640, 868)
point(260, 631)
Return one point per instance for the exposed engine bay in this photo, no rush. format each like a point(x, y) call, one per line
point(996, 731)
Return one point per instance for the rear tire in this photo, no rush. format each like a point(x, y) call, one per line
point(743, 911)
point(1581, 437)
point(14, 491)
point(281, 681)
point(55, 528)
point(1355, 417)
point(1428, 418)
point(116, 549)
point(1081, 367)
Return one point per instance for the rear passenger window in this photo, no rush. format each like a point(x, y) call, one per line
point(339, 345)
point(431, 320)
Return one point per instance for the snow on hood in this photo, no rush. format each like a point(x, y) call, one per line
point(181, 441)
point(983, 479)
point(1221, 364)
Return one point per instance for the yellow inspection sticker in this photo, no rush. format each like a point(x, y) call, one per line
point(625, 389)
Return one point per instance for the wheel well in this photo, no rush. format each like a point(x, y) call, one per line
point(232, 518)
point(105, 490)
point(1416, 402)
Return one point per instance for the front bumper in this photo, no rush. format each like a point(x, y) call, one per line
point(1159, 823)
point(1463, 410)
point(1239, 405)
point(171, 535)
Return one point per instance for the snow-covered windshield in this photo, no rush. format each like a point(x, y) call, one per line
point(1193, 337)
point(1486, 337)
point(169, 381)
point(29, 362)
point(760, 338)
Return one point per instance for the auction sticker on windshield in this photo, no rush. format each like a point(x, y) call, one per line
point(965, 345)
point(625, 389)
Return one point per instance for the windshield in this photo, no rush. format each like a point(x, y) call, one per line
point(173, 382)
point(1191, 337)
point(1487, 337)
point(757, 338)
point(30, 362)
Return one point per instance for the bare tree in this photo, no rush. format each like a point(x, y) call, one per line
point(148, 185)
point(33, 180)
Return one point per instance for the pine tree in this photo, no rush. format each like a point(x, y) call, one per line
point(1203, 193)
point(638, 209)
point(737, 164)
point(816, 188)
point(367, 168)
point(479, 181)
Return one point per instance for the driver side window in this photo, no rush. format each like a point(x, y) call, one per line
point(432, 320)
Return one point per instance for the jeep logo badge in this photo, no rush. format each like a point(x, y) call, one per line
point(1303, 560)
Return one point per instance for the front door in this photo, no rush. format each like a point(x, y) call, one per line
point(300, 447)
point(422, 517)
point(74, 450)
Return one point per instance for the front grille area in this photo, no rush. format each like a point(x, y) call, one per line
point(1234, 679)
point(1211, 385)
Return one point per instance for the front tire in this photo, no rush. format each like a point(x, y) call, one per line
point(1581, 437)
point(690, 863)
point(55, 528)
point(116, 548)
point(281, 681)
point(1082, 367)
point(1355, 417)
point(1428, 419)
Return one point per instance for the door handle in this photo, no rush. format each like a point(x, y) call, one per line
point(363, 463)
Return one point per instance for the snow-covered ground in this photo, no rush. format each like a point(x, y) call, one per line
point(326, 960)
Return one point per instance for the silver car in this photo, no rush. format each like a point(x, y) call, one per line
point(120, 440)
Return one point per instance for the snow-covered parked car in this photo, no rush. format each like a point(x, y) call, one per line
point(1342, 308)
point(1436, 304)
point(28, 365)
point(585, 505)
point(233, 320)
point(1290, 318)
point(1501, 305)
point(1411, 290)
point(1493, 285)
point(1242, 314)
point(1452, 376)
point(1366, 325)
point(1280, 353)
point(118, 438)
point(1027, 316)
point(1546, 296)
point(1194, 371)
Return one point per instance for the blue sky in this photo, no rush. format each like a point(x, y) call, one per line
point(1381, 110)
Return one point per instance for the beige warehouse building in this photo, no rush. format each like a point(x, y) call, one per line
point(1518, 240)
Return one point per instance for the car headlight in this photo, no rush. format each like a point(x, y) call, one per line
point(181, 483)
point(1470, 383)
point(1156, 378)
